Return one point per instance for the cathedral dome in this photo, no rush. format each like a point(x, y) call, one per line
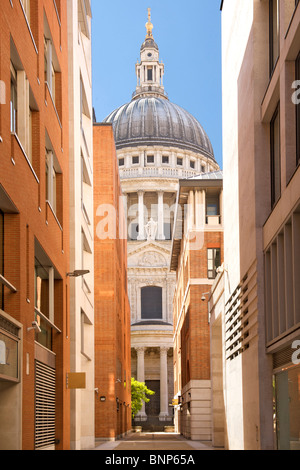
point(155, 121)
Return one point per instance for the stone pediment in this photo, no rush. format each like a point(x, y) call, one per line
point(149, 254)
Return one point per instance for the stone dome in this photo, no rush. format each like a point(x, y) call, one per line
point(151, 120)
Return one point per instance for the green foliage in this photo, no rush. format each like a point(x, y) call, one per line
point(139, 393)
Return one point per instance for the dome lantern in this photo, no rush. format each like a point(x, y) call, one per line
point(151, 119)
point(149, 71)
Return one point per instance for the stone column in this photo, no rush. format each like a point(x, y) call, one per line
point(191, 210)
point(161, 235)
point(141, 235)
point(164, 408)
point(141, 377)
point(199, 209)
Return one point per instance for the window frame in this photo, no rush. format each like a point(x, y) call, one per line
point(1, 258)
point(297, 78)
point(272, 59)
point(13, 100)
point(213, 259)
point(274, 197)
point(144, 315)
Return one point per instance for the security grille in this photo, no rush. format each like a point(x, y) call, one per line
point(44, 406)
point(283, 357)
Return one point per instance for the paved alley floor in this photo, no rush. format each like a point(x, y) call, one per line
point(154, 441)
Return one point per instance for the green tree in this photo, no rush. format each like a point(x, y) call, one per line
point(139, 392)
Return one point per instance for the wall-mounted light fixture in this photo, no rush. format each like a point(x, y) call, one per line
point(78, 273)
point(35, 326)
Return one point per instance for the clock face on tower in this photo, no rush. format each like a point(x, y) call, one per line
point(149, 54)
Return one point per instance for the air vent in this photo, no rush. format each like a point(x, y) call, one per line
point(283, 357)
point(44, 406)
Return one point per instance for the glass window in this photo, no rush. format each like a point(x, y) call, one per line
point(274, 33)
point(134, 231)
point(213, 262)
point(165, 159)
point(9, 356)
point(275, 157)
point(13, 99)
point(44, 302)
point(150, 158)
point(135, 160)
point(179, 161)
point(287, 393)
point(51, 180)
point(151, 303)
point(26, 6)
point(192, 164)
point(297, 77)
point(121, 162)
point(167, 231)
point(212, 206)
point(1, 257)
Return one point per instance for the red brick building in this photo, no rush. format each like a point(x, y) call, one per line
point(197, 252)
point(34, 225)
point(112, 311)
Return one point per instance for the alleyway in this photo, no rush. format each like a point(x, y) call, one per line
point(154, 441)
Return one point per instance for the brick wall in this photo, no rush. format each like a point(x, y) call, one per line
point(25, 184)
point(112, 311)
point(192, 341)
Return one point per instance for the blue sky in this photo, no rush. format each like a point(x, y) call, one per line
point(188, 34)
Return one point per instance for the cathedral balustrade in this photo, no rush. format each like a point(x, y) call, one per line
point(143, 172)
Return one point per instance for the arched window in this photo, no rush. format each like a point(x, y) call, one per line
point(151, 303)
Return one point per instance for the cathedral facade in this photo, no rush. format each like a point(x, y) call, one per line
point(158, 143)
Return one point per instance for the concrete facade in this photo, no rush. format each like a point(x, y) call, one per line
point(81, 220)
point(196, 234)
point(254, 314)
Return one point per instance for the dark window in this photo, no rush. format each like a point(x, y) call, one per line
point(213, 262)
point(134, 231)
point(151, 303)
point(192, 164)
point(135, 160)
point(179, 161)
point(274, 33)
point(212, 205)
point(13, 100)
point(203, 168)
point(165, 159)
point(1, 257)
point(121, 162)
point(150, 158)
point(275, 157)
point(149, 74)
point(297, 76)
point(167, 231)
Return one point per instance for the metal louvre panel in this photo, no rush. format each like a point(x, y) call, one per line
point(44, 406)
point(283, 357)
